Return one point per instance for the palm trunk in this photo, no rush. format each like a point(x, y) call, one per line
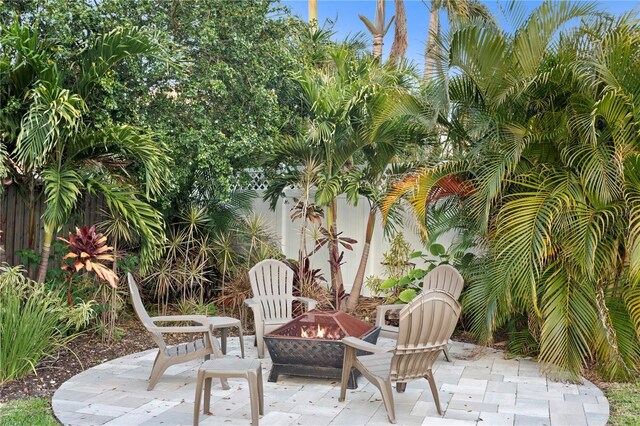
point(352, 301)
point(337, 283)
point(3, 257)
point(400, 37)
point(46, 249)
point(313, 14)
point(430, 52)
point(377, 47)
point(32, 222)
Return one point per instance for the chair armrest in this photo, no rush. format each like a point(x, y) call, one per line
point(356, 343)
point(251, 302)
point(311, 303)
point(201, 319)
point(381, 310)
point(183, 329)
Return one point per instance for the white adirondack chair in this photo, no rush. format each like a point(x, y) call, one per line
point(442, 277)
point(272, 285)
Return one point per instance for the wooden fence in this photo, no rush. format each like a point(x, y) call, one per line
point(15, 232)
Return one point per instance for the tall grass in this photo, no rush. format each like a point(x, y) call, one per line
point(32, 323)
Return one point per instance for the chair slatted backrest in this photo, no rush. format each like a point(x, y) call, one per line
point(446, 278)
point(272, 285)
point(138, 306)
point(426, 324)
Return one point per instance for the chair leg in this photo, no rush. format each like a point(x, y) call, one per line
point(260, 390)
point(241, 340)
point(207, 395)
point(159, 367)
point(260, 341)
point(387, 398)
point(446, 353)
point(434, 391)
point(347, 364)
point(253, 396)
point(198, 397)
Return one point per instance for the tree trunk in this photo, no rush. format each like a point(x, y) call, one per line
point(377, 47)
point(400, 37)
point(46, 249)
point(32, 223)
point(337, 283)
point(3, 257)
point(431, 50)
point(313, 14)
point(352, 301)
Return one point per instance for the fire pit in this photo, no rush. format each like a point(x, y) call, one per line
point(310, 345)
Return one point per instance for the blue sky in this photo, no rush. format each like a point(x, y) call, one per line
point(345, 14)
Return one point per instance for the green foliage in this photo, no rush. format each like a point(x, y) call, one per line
point(58, 148)
point(409, 284)
point(396, 264)
point(334, 147)
point(550, 119)
point(33, 323)
point(194, 307)
point(31, 411)
point(222, 110)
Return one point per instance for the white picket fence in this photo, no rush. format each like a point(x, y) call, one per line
point(352, 221)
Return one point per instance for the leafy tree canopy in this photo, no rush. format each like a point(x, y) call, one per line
point(221, 111)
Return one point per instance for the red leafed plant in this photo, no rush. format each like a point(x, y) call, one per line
point(89, 250)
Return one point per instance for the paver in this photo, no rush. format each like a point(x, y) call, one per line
point(121, 396)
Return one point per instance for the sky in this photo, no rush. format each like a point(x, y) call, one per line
point(344, 13)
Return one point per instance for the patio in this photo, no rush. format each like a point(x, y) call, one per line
point(479, 387)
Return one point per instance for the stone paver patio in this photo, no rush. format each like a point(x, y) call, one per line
point(479, 387)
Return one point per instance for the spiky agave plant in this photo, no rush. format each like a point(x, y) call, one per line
point(89, 250)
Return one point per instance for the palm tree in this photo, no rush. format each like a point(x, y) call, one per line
point(337, 97)
point(379, 29)
point(55, 148)
point(386, 140)
point(400, 37)
point(554, 148)
point(457, 10)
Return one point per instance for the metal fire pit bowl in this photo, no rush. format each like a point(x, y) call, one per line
point(296, 355)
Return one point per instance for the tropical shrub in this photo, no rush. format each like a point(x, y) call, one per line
point(33, 322)
point(396, 264)
point(551, 125)
point(220, 112)
point(58, 150)
point(87, 251)
point(409, 285)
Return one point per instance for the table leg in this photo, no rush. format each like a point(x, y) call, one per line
point(223, 336)
point(207, 395)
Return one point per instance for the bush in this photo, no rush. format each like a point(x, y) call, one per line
point(33, 322)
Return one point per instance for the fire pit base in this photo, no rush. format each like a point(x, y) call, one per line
point(312, 357)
